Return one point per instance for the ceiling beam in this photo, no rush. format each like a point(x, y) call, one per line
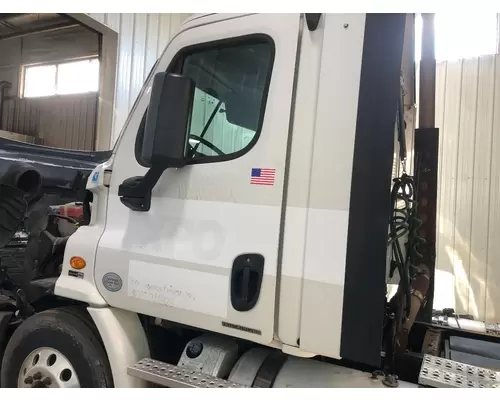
point(49, 28)
point(9, 26)
point(6, 16)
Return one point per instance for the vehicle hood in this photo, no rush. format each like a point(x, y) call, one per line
point(63, 171)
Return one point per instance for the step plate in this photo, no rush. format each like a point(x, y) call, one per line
point(443, 373)
point(173, 376)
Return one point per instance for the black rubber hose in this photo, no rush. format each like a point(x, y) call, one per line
point(23, 177)
point(404, 221)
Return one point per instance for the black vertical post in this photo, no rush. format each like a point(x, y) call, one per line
point(426, 157)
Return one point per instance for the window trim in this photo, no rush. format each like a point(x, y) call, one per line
point(176, 65)
point(56, 63)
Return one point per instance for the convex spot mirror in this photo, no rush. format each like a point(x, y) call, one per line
point(168, 121)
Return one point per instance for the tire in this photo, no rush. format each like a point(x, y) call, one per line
point(66, 332)
point(2, 351)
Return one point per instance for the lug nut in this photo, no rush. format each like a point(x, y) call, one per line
point(28, 380)
point(37, 376)
point(47, 381)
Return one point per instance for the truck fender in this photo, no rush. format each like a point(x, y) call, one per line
point(124, 340)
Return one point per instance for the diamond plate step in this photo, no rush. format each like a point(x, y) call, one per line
point(173, 376)
point(444, 373)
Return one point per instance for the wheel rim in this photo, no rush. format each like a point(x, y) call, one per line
point(46, 367)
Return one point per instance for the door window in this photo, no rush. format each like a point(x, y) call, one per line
point(231, 89)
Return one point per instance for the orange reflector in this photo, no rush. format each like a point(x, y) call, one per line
point(77, 263)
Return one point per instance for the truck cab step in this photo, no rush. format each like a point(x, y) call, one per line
point(440, 372)
point(172, 376)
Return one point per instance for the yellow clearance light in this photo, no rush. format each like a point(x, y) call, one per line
point(77, 263)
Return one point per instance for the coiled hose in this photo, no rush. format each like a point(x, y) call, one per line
point(405, 221)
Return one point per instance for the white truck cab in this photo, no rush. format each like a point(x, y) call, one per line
point(247, 199)
point(251, 237)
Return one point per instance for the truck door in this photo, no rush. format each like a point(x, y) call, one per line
point(206, 253)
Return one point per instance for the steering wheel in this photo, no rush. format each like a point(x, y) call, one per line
point(205, 142)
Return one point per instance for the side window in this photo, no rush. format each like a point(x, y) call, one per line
point(231, 89)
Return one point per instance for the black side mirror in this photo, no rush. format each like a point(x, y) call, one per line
point(168, 121)
point(166, 134)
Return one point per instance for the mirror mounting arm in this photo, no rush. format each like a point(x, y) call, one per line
point(135, 192)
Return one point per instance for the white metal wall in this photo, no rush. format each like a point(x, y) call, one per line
point(468, 247)
point(141, 40)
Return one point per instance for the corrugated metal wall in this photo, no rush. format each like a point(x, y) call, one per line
point(65, 122)
point(468, 248)
point(142, 38)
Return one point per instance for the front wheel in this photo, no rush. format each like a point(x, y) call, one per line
point(55, 349)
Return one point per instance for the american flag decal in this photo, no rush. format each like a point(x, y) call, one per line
point(263, 176)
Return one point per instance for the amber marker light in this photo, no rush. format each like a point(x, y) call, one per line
point(77, 263)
